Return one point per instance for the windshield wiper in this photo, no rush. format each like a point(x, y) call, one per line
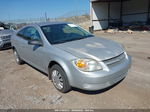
point(74, 39)
point(59, 42)
point(89, 36)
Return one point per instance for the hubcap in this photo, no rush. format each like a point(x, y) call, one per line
point(57, 79)
point(16, 56)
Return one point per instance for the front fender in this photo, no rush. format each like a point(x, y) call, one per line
point(65, 66)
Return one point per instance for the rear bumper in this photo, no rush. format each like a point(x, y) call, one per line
point(101, 79)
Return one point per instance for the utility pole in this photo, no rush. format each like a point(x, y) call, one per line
point(8, 17)
point(45, 16)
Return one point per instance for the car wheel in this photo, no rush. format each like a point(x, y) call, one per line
point(17, 58)
point(59, 79)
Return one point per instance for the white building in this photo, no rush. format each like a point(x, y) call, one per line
point(118, 12)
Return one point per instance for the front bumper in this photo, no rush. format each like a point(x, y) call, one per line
point(100, 79)
point(103, 84)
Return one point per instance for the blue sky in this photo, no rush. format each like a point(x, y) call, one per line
point(23, 9)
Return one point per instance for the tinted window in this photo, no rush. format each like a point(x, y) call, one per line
point(61, 33)
point(20, 33)
point(29, 33)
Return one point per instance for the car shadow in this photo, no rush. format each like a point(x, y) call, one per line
point(98, 91)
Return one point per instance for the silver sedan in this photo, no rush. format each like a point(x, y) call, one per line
point(71, 56)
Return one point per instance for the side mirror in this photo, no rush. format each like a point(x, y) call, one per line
point(35, 42)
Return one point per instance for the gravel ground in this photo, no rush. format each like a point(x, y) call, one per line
point(23, 87)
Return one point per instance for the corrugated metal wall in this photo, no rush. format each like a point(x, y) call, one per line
point(100, 15)
point(133, 10)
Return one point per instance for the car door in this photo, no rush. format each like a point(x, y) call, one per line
point(35, 53)
point(21, 43)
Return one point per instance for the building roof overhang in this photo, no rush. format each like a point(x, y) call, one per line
point(108, 0)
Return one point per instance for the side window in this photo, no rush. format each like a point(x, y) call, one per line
point(20, 33)
point(30, 33)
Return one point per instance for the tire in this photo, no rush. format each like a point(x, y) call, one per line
point(59, 79)
point(19, 61)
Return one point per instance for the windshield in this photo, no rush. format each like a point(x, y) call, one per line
point(61, 33)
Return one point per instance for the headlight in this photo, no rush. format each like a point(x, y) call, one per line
point(87, 65)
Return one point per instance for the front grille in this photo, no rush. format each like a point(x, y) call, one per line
point(6, 38)
point(114, 60)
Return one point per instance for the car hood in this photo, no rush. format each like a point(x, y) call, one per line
point(94, 47)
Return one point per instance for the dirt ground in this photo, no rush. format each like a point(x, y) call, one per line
point(23, 87)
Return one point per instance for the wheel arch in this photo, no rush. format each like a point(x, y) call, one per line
point(51, 63)
point(63, 65)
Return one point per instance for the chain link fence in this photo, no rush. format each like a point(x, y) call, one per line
point(72, 16)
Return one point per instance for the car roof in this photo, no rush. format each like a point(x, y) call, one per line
point(50, 23)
